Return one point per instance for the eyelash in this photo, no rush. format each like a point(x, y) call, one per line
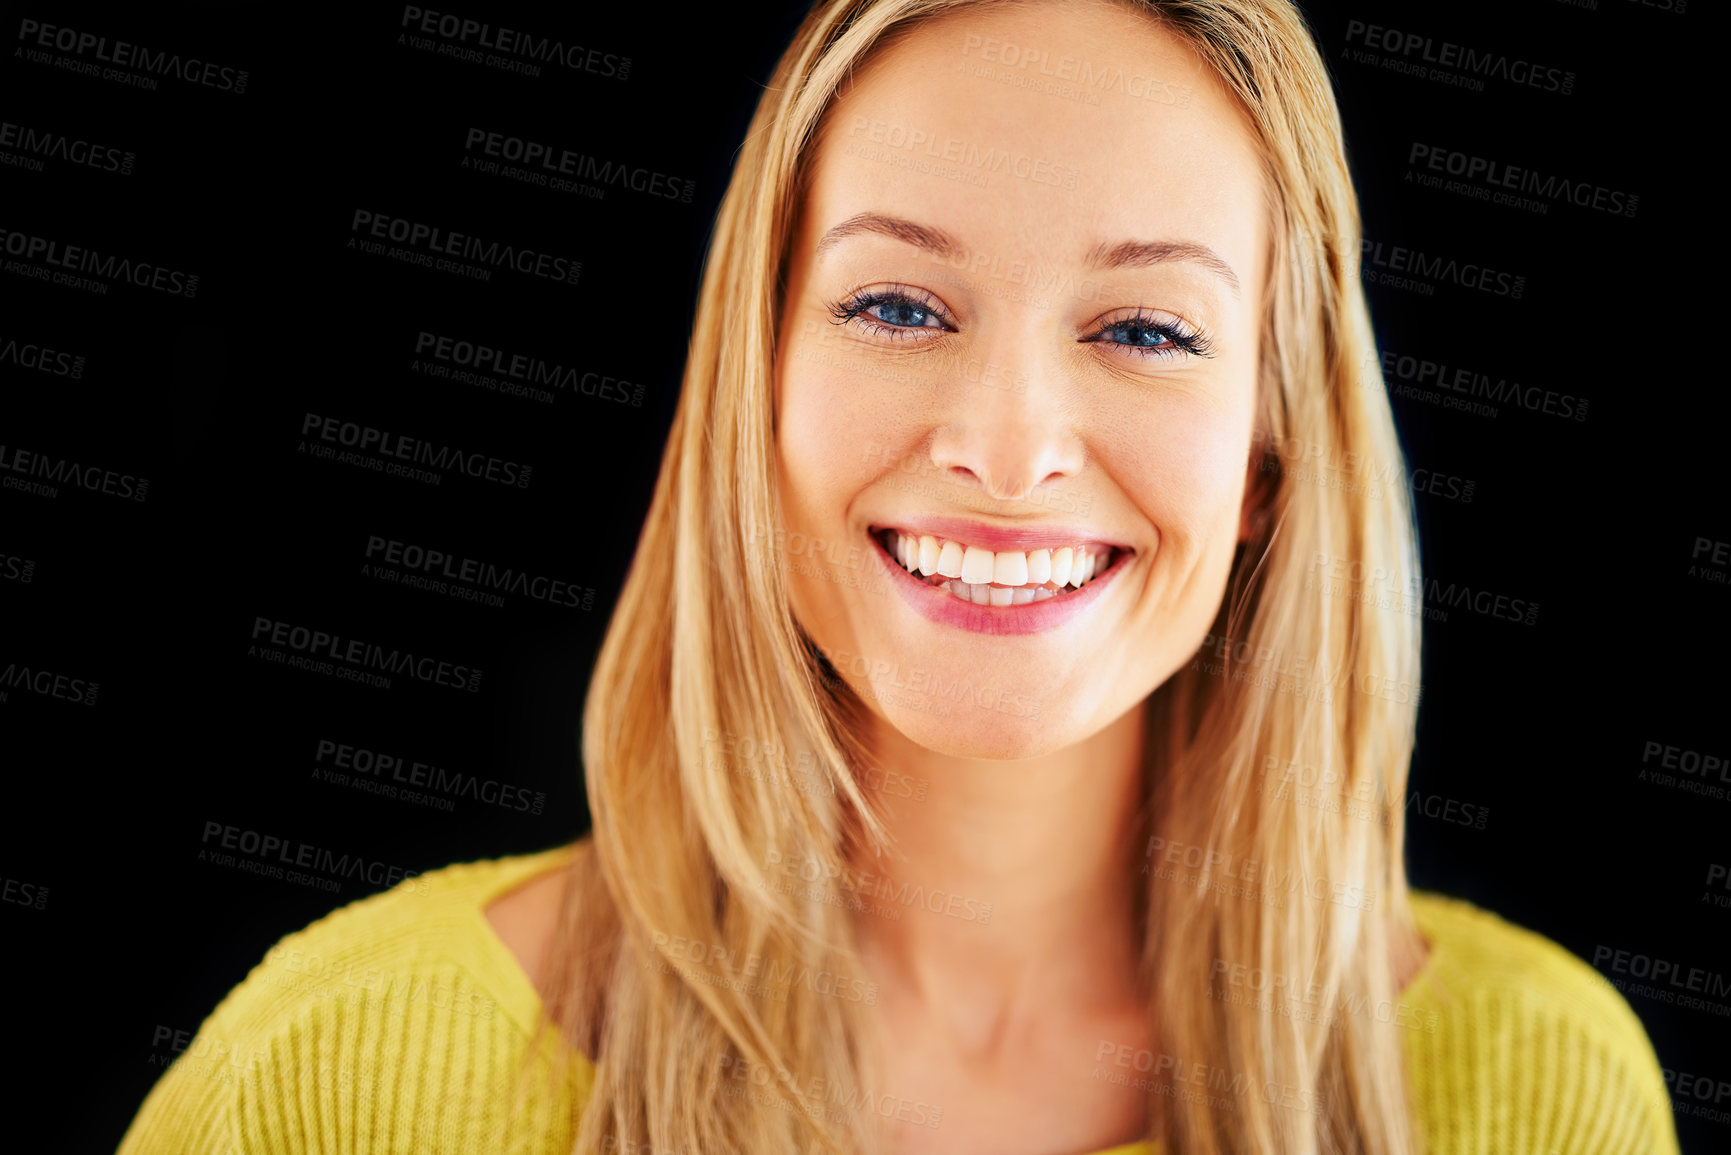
point(1180, 340)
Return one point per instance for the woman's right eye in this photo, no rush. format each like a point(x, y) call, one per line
point(892, 314)
point(902, 313)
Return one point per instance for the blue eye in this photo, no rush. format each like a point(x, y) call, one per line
point(1136, 333)
point(891, 313)
point(901, 314)
point(1148, 337)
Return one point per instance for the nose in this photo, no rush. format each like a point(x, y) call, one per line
point(1006, 430)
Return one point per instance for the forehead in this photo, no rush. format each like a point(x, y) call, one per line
point(1038, 132)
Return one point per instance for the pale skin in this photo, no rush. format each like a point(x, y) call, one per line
point(1021, 394)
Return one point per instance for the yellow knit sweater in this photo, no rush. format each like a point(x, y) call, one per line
point(398, 1023)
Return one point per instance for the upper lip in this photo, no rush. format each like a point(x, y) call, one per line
point(1000, 538)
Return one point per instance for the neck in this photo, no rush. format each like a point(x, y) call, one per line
point(1045, 842)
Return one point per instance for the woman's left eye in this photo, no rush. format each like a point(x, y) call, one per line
point(1150, 337)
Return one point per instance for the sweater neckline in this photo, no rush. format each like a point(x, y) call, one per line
point(524, 1004)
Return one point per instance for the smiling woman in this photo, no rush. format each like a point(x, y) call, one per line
point(924, 818)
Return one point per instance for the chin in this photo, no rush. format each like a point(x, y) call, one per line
point(964, 730)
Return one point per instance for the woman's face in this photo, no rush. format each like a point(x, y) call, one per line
point(1020, 334)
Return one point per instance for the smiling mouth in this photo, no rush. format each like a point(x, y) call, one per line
point(987, 577)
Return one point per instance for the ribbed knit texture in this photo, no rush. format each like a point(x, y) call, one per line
point(398, 1024)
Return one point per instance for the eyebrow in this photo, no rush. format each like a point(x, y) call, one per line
point(1123, 255)
point(1141, 254)
point(935, 241)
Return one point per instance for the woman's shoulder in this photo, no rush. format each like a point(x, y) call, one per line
point(398, 944)
point(1478, 955)
point(399, 1009)
point(1524, 1034)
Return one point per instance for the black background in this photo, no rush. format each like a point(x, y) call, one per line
point(124, 931)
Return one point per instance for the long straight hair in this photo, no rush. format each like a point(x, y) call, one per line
point(724, 1012)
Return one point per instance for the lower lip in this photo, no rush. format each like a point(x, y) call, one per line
point(944, 607)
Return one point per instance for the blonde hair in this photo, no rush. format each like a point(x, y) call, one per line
point(703, 643)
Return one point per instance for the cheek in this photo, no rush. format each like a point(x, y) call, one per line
point(836, 432)
point(1182, 464)
point(805, 441)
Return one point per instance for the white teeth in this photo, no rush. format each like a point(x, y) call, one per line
point(1010, 569)
point(1061, 567)
point(996, 578)
point(1039, 566)
point(1082, 569)
point(928, 554)
point(978, 565)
